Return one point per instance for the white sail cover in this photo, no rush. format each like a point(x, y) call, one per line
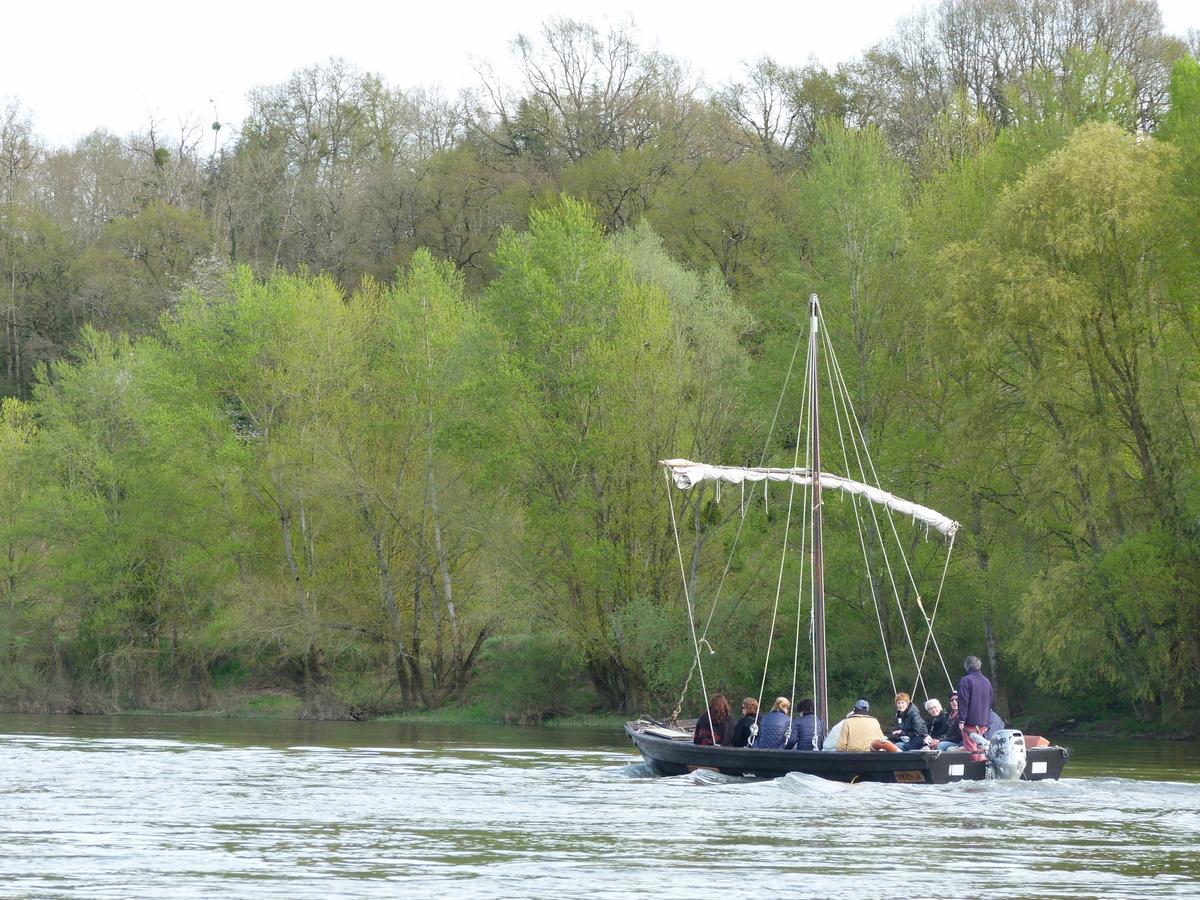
point(687, 474)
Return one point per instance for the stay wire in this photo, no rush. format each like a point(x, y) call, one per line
point(856, 439)
point(936, 602)
point(741, 524)
point(688, 600)
point(782, 560)
point(838, 400)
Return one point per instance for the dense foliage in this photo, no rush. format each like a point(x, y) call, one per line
point(367, 403)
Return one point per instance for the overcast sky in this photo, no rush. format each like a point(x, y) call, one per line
point(76, 66)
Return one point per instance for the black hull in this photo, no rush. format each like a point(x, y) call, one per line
point(678, 757)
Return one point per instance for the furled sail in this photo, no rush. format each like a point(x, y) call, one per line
point(687, 474)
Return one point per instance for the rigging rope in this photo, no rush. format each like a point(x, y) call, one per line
point(805, 525)
point(852, 417)
point(862, 541)
point(688, 600)
point(787, 524)
point(937, 600)
point(738, 534)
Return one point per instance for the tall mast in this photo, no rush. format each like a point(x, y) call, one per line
point(820, 689)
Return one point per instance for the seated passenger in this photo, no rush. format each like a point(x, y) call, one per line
point(858, 729)
point(995, 723)
point(808, 732)
point(715, 723)
point(939, 722)
point(910, 730)
point(741, 730)
point(773, 728)
point(953, 738)
point(835, 735)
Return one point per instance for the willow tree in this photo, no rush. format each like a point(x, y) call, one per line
point(405, 432)
point(1064, 300)
point(606, 392)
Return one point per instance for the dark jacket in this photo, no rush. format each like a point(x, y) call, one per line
point(741, 731)
point(702, 733)
point(974, 699)
point(804, 729)
point(939, 726)
point(954, 734)
point(773, 731)
point(912, 726)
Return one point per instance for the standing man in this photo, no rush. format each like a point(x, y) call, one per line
point(974, 706)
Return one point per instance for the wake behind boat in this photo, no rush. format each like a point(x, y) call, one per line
point(669, 747)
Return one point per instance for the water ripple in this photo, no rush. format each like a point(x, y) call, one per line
point(112, 815)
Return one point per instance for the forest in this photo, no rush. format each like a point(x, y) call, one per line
point(360, 401)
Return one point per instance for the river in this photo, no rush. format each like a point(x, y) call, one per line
point(185, 807)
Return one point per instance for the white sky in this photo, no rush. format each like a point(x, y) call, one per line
point(75, 66)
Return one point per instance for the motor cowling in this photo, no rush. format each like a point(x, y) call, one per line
point(1006, 755)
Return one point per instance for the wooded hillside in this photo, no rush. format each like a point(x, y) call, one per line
point(363, 397)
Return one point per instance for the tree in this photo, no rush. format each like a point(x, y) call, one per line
point(606, 393)
point(137, 266)
point(1086, 346)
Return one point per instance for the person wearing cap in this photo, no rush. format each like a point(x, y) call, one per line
point(974, 707)
point(858, 729)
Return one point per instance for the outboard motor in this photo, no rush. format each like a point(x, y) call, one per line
point(1006, 755)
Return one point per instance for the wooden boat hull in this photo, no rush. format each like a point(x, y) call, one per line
point(678, 757)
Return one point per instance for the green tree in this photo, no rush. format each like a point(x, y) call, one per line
point(605, 387)
point(1064, 301)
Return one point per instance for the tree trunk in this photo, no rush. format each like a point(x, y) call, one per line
point(999, 696)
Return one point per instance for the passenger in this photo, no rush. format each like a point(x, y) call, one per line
point(808, 732)
point(974, 706)
point(858, 729)
point(995, 723)
point(835, 735)
point(773, 728)
point(939, 722)
point(741, 730)
point(953, 738)
point(937, 719)
point(714, 721)
point(910, 730)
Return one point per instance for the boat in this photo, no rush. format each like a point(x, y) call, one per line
point(667, 746)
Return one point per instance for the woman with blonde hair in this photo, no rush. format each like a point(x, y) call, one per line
point(775, 726)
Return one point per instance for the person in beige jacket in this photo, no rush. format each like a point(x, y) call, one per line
point(859, 729)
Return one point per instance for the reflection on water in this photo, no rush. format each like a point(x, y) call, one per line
point(123, 806)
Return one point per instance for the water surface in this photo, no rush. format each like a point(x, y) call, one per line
point(120, 806)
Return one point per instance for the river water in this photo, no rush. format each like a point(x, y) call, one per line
point(181, 807)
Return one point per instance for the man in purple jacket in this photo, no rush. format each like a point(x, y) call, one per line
point(974, 706)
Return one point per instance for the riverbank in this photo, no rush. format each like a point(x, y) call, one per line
point(283, 704)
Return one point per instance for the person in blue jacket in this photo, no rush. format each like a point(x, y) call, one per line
point(808, 732)
point(995, 723)
point(774, 727)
